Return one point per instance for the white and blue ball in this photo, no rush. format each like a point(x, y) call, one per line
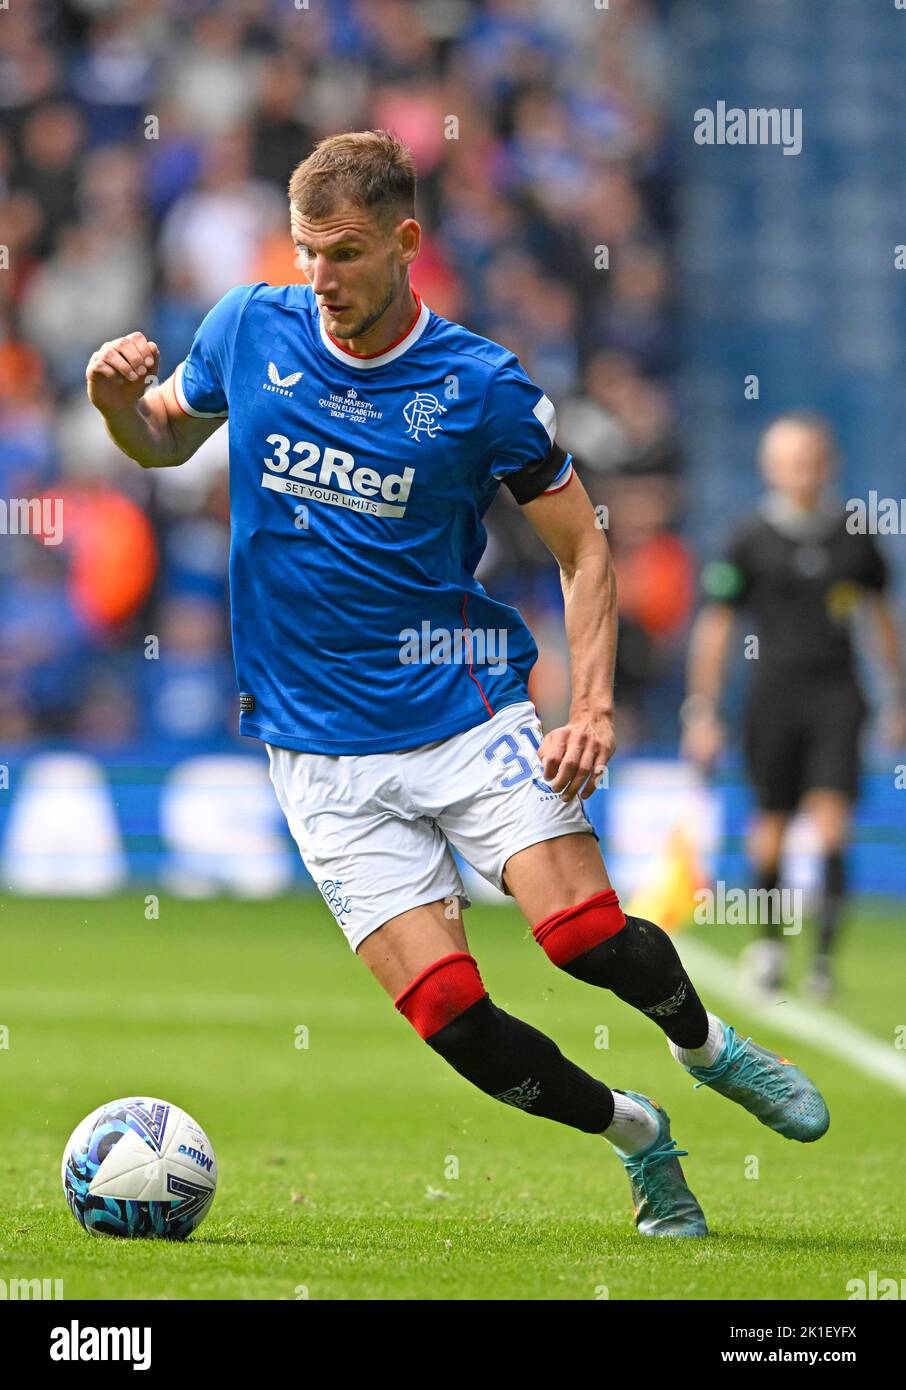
point(139, 1167)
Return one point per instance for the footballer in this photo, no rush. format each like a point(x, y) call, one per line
point(368, 437)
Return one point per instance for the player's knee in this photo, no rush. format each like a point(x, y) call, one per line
point(568, 935)
point(441, 993)
point(596, 942)
point(449, 1006)
point(452, 1011)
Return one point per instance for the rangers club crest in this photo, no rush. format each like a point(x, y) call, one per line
point(421, 414)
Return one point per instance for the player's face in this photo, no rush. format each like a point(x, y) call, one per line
point(356, 267)
point(795, 460)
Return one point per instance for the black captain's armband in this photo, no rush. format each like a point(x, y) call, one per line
point(536, 478)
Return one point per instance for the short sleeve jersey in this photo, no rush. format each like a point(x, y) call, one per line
point(801, 591)
point(357, 490)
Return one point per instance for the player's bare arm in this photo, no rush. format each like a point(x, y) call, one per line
point(574, 755)
point(148, 425)
point(889, 645)
point(703, 732)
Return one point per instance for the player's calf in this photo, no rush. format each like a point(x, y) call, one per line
point(447, 1004)
point(596, 942)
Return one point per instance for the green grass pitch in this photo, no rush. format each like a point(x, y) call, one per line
point(361, 1167)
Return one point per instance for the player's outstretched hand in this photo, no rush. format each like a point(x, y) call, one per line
point(574, 756)
point(893, 725)
point(117, 372)
point(703, 742)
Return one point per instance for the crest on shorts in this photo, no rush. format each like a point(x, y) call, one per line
point(338, 904)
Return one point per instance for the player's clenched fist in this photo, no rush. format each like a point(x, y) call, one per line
point(117, 372)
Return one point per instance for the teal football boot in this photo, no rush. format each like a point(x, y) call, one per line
point(770, 1087)
point(661, 1199)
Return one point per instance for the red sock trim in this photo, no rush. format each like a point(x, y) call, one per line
point(441, 992)
point(570, 933)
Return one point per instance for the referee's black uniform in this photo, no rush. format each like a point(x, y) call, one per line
point(799, 575)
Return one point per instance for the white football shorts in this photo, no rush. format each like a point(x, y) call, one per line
point(375, 829)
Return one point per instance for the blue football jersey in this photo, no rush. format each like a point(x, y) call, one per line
point(357, 490)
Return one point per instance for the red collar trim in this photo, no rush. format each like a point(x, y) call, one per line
point(390, 346)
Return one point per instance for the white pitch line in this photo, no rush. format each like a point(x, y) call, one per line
point(820, 1027)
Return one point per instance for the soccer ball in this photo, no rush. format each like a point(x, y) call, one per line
point(139, 1167)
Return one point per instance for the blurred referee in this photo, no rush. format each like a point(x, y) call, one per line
point(801, 577)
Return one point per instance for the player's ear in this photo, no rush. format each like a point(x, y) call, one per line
point(408, 235)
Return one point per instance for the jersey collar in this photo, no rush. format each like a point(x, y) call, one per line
point(363, 361)
point(796, 523)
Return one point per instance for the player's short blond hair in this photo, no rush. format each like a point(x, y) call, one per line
point(371, 169)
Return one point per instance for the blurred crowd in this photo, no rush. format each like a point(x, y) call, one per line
point(145, 148)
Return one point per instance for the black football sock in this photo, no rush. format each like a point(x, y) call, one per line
point(832, 898)
point(768, 880)
point(514, 1062)
point(640, 965)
